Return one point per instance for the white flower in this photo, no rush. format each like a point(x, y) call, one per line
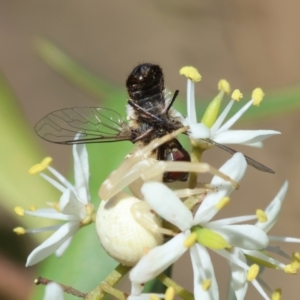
point(215, 128)
point(239, 283)
point(74, 207)
point(53, 291)
point(215, 235)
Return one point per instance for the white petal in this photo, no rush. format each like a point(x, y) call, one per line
point(69, 205)
point(254, 145)
point(158, 259)
point(238, 281)
point(235, 168)
point(272, 216)
point(166, 204)
point(53, 291)
point(244, 236)
point(81, 172)
point(273, 209)
point(243, 136)
point(60, 251)
point(198, 131)
point(52, 243)
point(203, 269)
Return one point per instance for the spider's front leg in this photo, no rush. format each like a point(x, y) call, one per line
point(133, 166)
point(174, 166)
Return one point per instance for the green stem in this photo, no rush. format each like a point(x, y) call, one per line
point(195, 157)
point(106, 286)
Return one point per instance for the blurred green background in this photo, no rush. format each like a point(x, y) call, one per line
point(254, 43)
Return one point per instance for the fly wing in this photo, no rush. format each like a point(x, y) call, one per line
point(250, 161)
point(82, 125)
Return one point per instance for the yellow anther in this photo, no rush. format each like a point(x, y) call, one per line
point(19, 211)
point(32, 208)
point(222, 203)
point(296, 260)
point(170, 293)
point(19, 230)
point(236, 95)
point(154, 297)
point(257, 96)
point(290, 269)
point(252, 272)
point(89, 208)
point(47, 161)
point(276, 295)
point(261, 216)
point(223, 85)
point(41, 166)
point(191, 73)
point(190, 240)
point(206, 284)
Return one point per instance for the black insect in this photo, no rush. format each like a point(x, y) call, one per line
point(150, 115)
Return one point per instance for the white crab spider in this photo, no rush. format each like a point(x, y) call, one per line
point(126, 225)
point(141, 165)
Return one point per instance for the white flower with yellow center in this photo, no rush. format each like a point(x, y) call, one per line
point(267, 219)
point(198, 232)
point(74, 207)
point(216, 129)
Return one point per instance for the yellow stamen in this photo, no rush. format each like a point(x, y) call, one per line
point(261, 216)
point(32, 208)
point(19, 211)
point(191, 73)
point(257, 96)
point(170, 293)
point(289, 269)
point(41, 166)
point(19, 230)
point(224, 86)
point(154, 297)
point(252, 272)
point(236, 95)
point(276, 295)
point(206, 284)
point(222, 203)
point(190, 240)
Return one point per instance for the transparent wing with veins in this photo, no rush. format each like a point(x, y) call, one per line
point(82, 125)
point(250, 161)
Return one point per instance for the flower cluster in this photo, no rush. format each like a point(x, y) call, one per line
point(151, 226)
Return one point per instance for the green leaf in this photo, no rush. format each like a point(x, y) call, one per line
point(18, 152)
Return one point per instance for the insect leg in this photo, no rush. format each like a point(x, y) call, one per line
point(140, 137)
point(143, 111)
point(166, 109)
